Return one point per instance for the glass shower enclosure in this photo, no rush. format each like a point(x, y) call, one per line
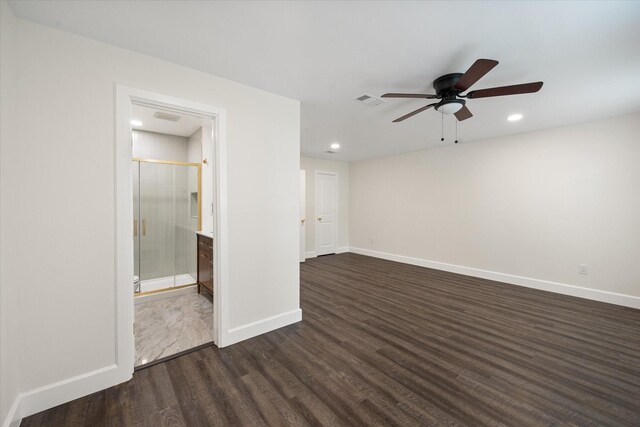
point(166, 215)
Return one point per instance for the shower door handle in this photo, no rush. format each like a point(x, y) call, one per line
point(135, 228)
point(144, 227)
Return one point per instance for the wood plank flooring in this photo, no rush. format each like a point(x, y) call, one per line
point(383, 343)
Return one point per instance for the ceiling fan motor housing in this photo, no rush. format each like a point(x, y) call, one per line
point(444, 85)
point(444, 89)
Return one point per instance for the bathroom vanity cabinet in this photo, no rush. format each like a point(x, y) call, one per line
point(205, 263)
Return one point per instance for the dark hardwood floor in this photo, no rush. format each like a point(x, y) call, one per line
point(384, 343)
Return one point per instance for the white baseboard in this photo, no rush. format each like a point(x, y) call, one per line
point(42, 398)
point(269, 324)
point(560, 288)
point(312, 254)
point(12, 420)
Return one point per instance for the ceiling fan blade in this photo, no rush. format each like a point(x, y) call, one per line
point(505, 90)
point(474, 73)
point(409, 95)
point(413, 113)
point(463, 114)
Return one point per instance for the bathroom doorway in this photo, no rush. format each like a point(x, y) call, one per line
point(176, 152)
point(173, 309)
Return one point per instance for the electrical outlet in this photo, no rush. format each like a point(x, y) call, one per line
point(582, 269)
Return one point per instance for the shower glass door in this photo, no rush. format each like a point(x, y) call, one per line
point(157, 234)
point(165, 222)
point(186, 223)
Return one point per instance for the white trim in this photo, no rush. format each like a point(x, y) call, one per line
point(10, 420)
point(221, 226)
point(545, 285)
point(60, 392)
point(259, 327)
point(337, 200)
point(340, 250)
point(302, 230)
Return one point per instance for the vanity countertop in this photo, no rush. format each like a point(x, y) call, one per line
point(208, 234)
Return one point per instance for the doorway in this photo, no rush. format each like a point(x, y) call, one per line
point(326, 213)
point(172, 282)
point(164, 212)
point(303, 219)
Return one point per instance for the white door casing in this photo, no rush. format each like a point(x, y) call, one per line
point(303, 228)
point(326, 220)
point(125, 98)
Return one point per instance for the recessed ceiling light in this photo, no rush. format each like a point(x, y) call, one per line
point(514, 117)
point(136, 123)
point(335, 146)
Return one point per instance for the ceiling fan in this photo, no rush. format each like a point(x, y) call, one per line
point(449, 90)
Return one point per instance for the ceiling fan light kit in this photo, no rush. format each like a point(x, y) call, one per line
point(450, 106)
point(450, 87)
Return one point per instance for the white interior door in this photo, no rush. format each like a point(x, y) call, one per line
point(303, 219)
point(326, 213)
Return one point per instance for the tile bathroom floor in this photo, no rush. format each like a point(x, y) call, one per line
point(171, 325)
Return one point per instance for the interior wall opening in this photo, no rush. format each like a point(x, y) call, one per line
point(172, 233)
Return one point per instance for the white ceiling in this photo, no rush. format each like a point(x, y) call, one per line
point(185, 126)
point(328, 53)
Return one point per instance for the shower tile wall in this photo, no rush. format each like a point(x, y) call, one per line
point(159, 146)
point(169, 246)
point(184, 226)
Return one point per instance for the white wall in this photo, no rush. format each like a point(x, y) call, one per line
point(194, 147)
point(533, 205)
point(9, 387)
point(62, 211)
point(311, 165)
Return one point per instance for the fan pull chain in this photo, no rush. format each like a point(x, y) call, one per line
point(442, 127)
point(456, 131)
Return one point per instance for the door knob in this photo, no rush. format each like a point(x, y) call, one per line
point(319, 218)
point(302, 221)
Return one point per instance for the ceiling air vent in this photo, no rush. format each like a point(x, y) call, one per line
point(166, 116)
point(370, 100)
point(330, 152)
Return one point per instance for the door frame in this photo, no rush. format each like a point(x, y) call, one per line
point(317, 198)
point(123, 288)
point(303, 214)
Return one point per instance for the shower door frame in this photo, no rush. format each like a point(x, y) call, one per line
point(175, 163)
point(124, 345)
